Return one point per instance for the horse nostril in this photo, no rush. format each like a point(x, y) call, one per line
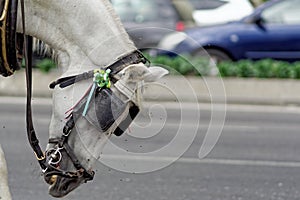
point(65, 187)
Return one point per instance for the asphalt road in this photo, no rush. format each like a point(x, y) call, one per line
point(256, 157)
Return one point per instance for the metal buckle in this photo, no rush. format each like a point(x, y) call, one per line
point(41, 158)
point(67, 132)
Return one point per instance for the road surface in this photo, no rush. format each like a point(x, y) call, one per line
point(256, 157)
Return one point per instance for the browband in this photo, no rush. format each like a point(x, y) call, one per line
point(122, 62)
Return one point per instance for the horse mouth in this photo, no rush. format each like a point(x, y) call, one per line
point(61, 186)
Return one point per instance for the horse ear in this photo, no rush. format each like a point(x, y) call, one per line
point(155, 73)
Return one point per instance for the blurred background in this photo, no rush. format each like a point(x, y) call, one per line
point(230, 38)
point(230, 34)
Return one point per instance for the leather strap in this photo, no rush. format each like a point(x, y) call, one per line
point(9, 40)
point(122, 62)
point(31, 135)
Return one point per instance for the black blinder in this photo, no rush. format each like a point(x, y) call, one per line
point(105, 109)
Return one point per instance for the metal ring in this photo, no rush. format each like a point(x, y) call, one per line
point(55, 156)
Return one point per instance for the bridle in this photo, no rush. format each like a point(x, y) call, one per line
point(54, 155)
point(11, 42)
point(50, 160)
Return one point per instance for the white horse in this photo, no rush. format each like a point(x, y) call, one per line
point(85, 34)
point(4, 189)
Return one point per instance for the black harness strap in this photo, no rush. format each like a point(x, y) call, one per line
point(34, 142)
point(69, 80)
point(122, 62)
point(11, 42)
point(13, 38)
point(32, 138)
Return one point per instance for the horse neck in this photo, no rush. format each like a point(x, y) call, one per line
point(85, 33)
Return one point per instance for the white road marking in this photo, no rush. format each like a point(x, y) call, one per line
point(234, 162)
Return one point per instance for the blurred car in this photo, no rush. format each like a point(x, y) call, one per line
point(272, 31)
point(212, 12)
point(147, 21)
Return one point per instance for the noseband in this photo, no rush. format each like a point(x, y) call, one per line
point(49, 163)
point(54, 156)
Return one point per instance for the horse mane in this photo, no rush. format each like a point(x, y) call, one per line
point(41, 49)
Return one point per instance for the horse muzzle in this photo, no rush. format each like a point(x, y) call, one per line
point(62, 181)
point(61, 186)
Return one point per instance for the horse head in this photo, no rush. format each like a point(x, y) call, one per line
point(99, 91)
point(72, 164)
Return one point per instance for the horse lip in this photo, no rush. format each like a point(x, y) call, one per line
point(58, 189)
point(63, 186)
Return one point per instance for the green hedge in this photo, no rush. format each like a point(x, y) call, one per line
point(45, 65)
point(266, 68)
point(182, 65)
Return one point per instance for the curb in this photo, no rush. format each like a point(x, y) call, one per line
point(183, 89)
point(16, 85)
point(228, 90)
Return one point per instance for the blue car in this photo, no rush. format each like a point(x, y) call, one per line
point(271, 31)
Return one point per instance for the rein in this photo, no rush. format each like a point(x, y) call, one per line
point(49, 162)
point(32, 138)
